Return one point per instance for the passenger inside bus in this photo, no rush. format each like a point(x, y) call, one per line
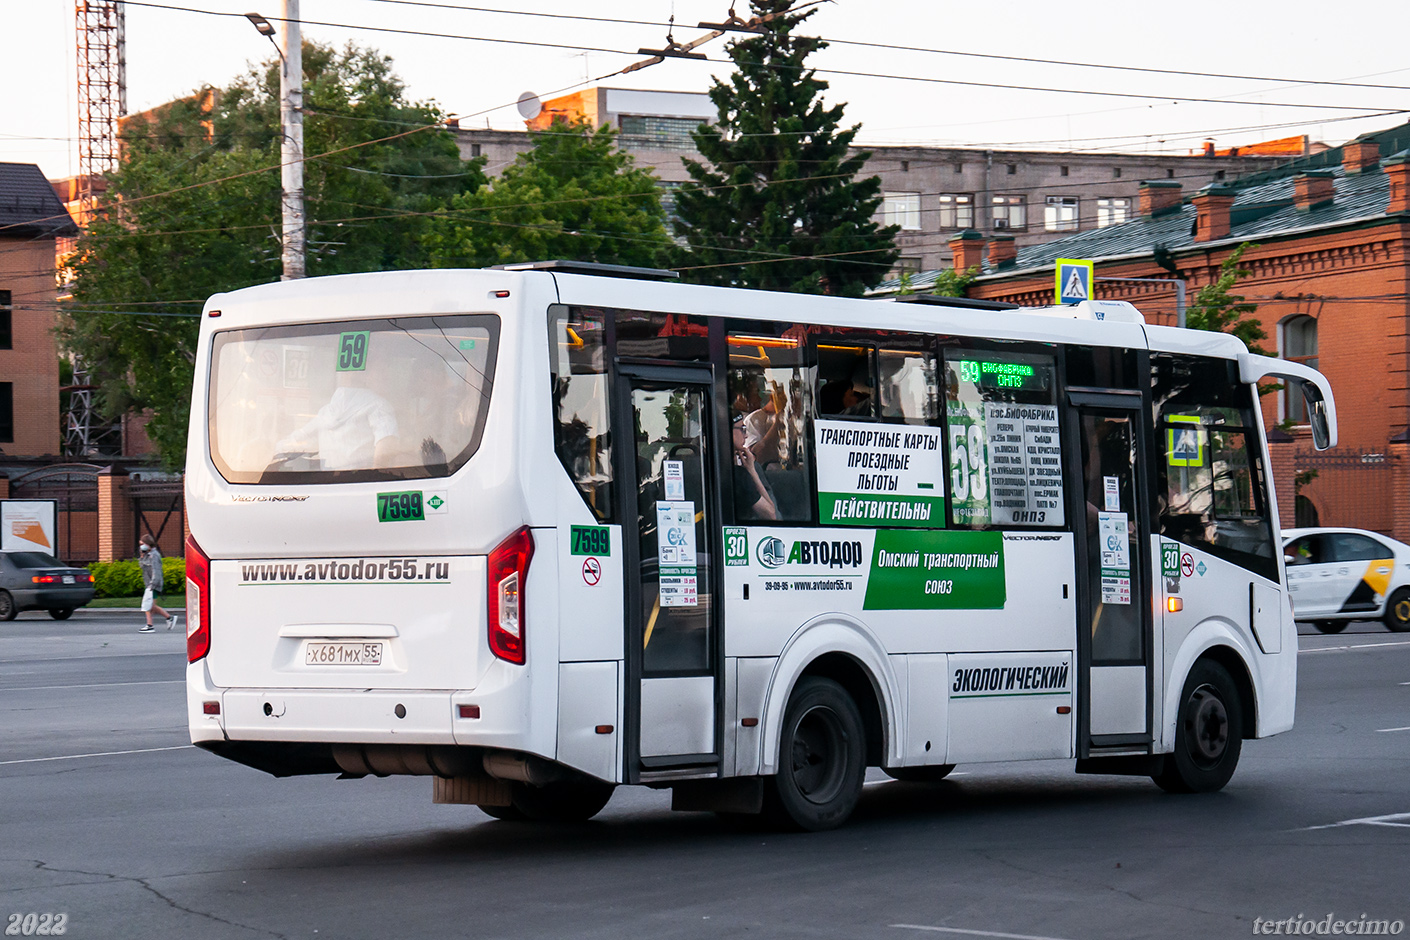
point(356, 430)
point(752, 497)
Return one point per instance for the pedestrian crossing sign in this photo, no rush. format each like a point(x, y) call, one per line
point(1074, 281)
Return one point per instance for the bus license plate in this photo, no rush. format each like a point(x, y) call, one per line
point(343, 654)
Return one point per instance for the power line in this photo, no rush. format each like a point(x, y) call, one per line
point(787, 68)
point(953, 52)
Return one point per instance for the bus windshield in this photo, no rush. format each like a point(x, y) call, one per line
point(350, 401)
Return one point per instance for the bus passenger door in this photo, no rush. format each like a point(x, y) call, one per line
point(1114, 607)
point(672, 648)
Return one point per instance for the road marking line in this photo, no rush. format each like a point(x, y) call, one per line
point(1387, 820)
point(972, 933)
point(1358, 646)
point(1384, 730)
point(90, 685)
point(140, 750)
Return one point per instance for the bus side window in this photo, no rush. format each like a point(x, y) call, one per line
point(582, 416)
point(908, 390)
point(846, 380)
point(1214, 488)
point(770, 394)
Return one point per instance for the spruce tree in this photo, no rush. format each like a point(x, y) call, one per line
point(777, 204)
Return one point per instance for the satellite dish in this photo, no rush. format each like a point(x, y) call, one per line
point(529, 106)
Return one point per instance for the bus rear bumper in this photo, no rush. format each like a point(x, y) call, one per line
point(494, 715)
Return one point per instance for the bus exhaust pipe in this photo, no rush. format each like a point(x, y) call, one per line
point(387, 760)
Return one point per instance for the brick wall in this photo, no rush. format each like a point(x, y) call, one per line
point(1355, 282)
point(32, 365)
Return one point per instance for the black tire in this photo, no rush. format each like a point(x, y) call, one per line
point(822, 758)
point(509, 813)
point(1208, 733)
point(1331, 626)
point(567, 801)
point(1397, 615)
point(932, 774)
point(7, 606)
point(61, 613)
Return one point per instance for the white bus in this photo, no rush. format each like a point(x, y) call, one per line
point(541, 531)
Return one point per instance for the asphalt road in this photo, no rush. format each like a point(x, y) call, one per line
point(108, 816)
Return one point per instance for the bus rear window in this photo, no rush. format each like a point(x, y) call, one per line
point(352, 401)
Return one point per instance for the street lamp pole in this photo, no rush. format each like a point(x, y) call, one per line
point(291, 153)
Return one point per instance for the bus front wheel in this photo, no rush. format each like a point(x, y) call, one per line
point(1208, 733)
point(822, 758)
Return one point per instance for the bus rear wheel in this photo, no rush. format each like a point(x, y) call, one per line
point(822, 758)
point(564, 801)
point(1208, 733)
point(932, 774)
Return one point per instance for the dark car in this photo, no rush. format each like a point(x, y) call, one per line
point(39, 581)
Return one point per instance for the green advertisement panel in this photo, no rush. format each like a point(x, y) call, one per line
point(928, 570)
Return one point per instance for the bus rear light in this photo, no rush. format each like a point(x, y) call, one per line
point(508, 573)
point(211, 708)
point(469, 711)
point(198, 602)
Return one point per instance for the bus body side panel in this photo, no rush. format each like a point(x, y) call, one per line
point(831, 634)
point(1034, 616)
point(1216, 613)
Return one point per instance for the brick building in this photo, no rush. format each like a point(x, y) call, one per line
point(1330, 272)
point(31, 219)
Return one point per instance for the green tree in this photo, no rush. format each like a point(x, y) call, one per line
point(1216, 309)
point(779, 182)
point(193, 209)
point(573, 196)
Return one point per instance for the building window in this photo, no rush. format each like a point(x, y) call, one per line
point(1013, 168)
point(1169, 174)
point(901, 209)
point(908, 267)
point(7, 413)
point(1299, 342)
point(1063, 170)
point(1060, 214)
point(1010, 212)
point(905, 166)
point(648, 132)
point(1113, 211)
point(956, 210)
point(959, 167)
point(1116, 172)
point(1219, 174)
point(6, 336)
point(474, 150)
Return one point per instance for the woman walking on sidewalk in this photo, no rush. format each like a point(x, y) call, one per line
point(154, 580)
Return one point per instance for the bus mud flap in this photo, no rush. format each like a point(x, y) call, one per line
point(735, 795)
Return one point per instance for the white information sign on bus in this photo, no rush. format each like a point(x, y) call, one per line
point(1025, 464)
point(879, 474)
point(1116, 557)
point(29, 525)
point(675, 552)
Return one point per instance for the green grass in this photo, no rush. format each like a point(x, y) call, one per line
point(165, 600)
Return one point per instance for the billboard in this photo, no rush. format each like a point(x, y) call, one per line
point(29, 525)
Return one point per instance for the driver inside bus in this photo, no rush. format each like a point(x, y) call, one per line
point(356, 430)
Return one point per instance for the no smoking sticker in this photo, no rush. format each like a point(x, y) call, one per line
point(592, 571)
point(1187, 564)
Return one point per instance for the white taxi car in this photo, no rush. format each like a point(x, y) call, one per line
point(1336, 576)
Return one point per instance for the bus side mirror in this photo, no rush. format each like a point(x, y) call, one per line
point(1316, 415)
